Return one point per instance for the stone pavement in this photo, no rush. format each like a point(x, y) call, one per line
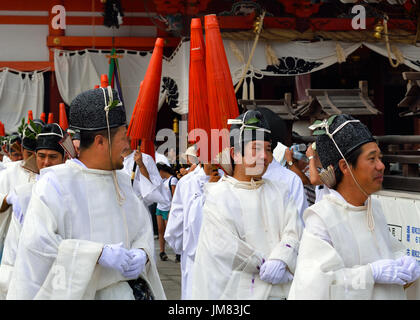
point(169, 272)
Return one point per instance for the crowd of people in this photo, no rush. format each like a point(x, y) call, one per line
point(81, 223)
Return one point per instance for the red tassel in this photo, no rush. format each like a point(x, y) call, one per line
point(50, 118)
point(2, 131)
point(64, 124)
point(104, 81)
point(30, 115)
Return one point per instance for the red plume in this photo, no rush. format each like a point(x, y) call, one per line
point(64, 124)
point(30, 115)
point(104, 81)
point(43, 117)
point(2, 131)
point(50, 118)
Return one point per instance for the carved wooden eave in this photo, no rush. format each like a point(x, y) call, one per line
point(327, 102)
point(412, 97)
point(282, 107)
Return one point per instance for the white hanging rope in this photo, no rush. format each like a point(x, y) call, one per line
point(252, 52)
point(398, 56)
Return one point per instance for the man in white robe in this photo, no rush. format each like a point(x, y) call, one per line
point(184, 192)
point(250, 232)
point(86, 235)
point(346, 250)
point(147, 179)
point(48, 153)
point(17, 173)
point(185, 218)
point(278, 172)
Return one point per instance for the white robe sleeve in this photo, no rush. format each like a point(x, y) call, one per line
point(71, 276)
point(9, 255)
point(47, 267)
point(174, 228)
point(299, 195)
point(144, 240)
point(151, 190)
point(193, 225)
point(38, 246)
point(288, 247)
point(225, 267)
point(321, 274)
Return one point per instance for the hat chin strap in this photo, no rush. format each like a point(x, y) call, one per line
point(370, 220)
point(120, 197)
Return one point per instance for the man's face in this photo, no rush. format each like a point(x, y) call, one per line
point(47, 158)
point(120, 145)
point(27, 153)
point(257, 157)
point(15, 155)
point(369, 171)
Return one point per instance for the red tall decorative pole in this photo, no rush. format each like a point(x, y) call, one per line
point(144, 123)
point(221, 93)
point(198, 109)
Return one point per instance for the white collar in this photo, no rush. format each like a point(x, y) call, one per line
point(80, 163)
point(338, 195)
point(250, 185)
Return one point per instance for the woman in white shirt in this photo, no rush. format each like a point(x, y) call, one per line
point(162, 211)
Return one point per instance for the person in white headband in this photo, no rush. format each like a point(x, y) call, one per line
point(346, 251)
point(250, 231)
point(84, 220)
point(48, 153)
point(17, 173)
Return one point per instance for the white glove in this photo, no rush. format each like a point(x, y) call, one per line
point(273, 271)
point(287, 277)
point(410, 265)
point(390, 272)
point(115, 256)
point(136, 264)
point(11, 197)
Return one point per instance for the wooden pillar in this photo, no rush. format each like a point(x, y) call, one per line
point(417, 130)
